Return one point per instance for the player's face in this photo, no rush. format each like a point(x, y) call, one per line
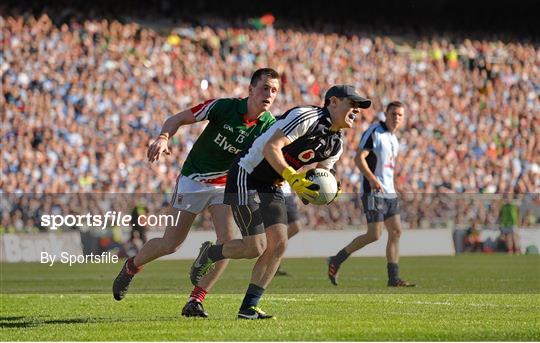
point(344, 113)
point(264, 93)
point(395, 118)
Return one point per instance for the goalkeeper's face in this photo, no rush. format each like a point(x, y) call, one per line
point(343, 112)
point(263, 94)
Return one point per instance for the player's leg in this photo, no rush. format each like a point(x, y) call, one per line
point(293, 215)
point(189, 199)
point(222, 219)
point(515, 241)
point(293, 225)
point(240, 193)
point(393, 225)
point(274, 214)
point(267, 264)
point(263, 272)
point(252, 245)
point(374, 231)
point(293, 229)
point(375, 219)
point(173, 237)
point(509, 243)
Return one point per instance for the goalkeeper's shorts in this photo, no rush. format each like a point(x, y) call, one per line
point(255, 207)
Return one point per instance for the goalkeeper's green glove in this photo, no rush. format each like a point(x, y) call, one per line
point(298, 182)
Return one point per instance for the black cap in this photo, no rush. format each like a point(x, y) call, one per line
point(347, 91)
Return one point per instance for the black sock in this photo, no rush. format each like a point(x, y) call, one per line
point(252, 297)
point(215, 252)
point(393, 271)
point(341, 256)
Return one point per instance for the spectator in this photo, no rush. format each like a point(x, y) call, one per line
point(77, 100)
point(472, 240)
point(509, 219)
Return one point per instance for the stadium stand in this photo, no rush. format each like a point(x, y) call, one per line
point(82, 96)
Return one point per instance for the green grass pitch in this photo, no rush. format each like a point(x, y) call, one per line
point(463, 298)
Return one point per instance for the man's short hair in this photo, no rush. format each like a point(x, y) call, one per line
point(394, 104)
point(327, 102)
point(259, 73)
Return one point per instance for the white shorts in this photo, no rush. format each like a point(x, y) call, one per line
point(193, 196)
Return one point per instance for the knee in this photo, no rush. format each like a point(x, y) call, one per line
point(256, 249)
point(225, 234)
point(279, 247)
point(225, 237)
point(373, 236)
point(171, 247)
point(394, 234)
point(292, 230)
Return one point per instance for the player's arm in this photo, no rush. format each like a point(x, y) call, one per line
point(274, 155)
point(331, 161)
point(173, 123)
point(170, 127)
point(361, 163)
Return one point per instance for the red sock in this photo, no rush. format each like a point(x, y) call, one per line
point(198, 294)
point(131, 267)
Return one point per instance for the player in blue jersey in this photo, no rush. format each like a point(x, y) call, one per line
point(376, 158)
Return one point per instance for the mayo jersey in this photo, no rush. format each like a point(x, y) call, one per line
point(226, 135)
point(383, 149)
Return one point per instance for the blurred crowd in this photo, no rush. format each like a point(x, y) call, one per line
point(82, 101)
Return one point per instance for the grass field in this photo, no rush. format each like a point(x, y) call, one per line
point(465, 298)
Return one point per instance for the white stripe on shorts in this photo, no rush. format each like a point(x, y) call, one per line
point(245, 190)
point(239, 185)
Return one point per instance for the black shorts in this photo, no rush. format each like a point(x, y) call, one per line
point(293, 214)
point(379, 209)
point(255, 206)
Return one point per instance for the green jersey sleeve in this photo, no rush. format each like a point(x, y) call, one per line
point(210, 109)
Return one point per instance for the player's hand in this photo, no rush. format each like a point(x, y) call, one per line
point(313, 187)
point(158, 147)
point(376, 186)
point(338, 193)
point(298, 182)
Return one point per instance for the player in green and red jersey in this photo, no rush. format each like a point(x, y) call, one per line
point(233, 124)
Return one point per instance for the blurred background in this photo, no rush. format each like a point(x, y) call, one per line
point(86, 86)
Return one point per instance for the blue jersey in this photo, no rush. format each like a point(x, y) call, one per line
point(383, 149)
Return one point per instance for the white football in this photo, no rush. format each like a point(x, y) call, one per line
point(327, 183)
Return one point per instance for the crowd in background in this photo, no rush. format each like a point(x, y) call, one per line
point(82, 101)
